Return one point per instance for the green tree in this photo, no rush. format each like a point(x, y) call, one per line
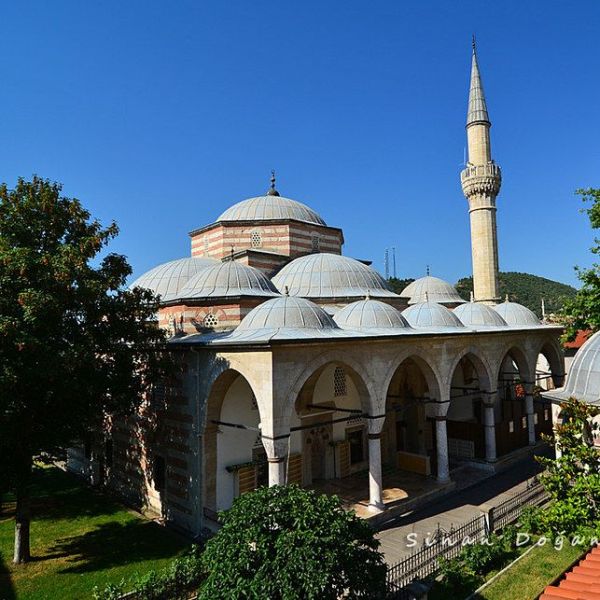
point(573, 478)
point(74, 344)
point(398, 285)
point(286, 543)
point(583, 311)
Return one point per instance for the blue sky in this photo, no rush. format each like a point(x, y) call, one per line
point(161, 115)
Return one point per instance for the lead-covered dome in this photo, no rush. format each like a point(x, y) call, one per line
point(583, 379)
point(370, 314)
point(287, 313)
point(516, 315)
point(476, 314)
point(431, 289)
point(430, 314)
point(270, 208)
point(169, 278)
point(225, 279)
point(326, 275)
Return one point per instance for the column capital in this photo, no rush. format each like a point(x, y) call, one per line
point(276, 449)
point(375, 424)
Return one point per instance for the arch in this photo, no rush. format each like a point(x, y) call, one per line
point(551, 350)
point(487, 378)
point(422, 359)
point(519, 356)
point(357, 371)
point(223, 379)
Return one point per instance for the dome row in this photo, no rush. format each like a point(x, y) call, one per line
point(300, 313)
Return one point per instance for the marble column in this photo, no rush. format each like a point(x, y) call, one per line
point(530, 412)
point(489, 423)
point(277, 454)
point(441, 440)
point(375, 425)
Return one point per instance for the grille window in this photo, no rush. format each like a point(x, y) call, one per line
point(210, 321)
point(339, 382)
point(256, 239)
point(316, 243)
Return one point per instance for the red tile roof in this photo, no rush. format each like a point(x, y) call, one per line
point(582, 582)
point(579, 340)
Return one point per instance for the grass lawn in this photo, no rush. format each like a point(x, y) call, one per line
point(79, 539)
point(527, 579)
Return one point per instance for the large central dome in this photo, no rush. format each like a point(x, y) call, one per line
point(271, 208)
point(326, 275)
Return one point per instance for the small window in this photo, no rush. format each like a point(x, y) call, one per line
point(210, 321)
point(546, 414)
point(535, 418)
point(108, 453)
point(524, 422)
point(511, 427)
point(339, 382)
point(256, 239)
point(357, 446)
point(316, 243)
point(159, 473)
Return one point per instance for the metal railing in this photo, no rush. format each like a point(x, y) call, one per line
point(448, 544)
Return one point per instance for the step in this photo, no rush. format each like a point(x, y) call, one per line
point(554, 593)
point(583, 578)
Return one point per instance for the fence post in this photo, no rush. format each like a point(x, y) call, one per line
point(487, 512)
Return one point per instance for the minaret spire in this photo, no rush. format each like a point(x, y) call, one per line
point(481, 182)
point(477, 110)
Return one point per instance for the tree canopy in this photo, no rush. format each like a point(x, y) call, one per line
point(287, 543)
point(583, 310)
point(75, 344)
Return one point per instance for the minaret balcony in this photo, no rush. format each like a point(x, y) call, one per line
point(481, 179)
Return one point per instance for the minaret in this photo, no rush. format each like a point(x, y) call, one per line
point(481, 181)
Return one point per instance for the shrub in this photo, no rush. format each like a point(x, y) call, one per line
point(285, 542)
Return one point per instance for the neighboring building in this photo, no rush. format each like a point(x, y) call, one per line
point(298, 364)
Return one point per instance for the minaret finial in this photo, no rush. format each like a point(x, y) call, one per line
point(272, 191)
point(474, 44)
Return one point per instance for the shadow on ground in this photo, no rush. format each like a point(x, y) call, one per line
point(7, 591)
point(113, 545)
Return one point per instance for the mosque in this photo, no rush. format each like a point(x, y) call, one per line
point(299, 364)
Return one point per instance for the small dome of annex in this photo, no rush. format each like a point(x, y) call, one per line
point(326, 275)
point(476, 314)
point(271, 207)
point(516, 315)
point(433, 289)
point(370, 314)
point(430, 314)
point(583, 379)
point(225, 279)
point(167, 279)
point(286, 312)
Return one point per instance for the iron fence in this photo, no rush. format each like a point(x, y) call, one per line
point(447, 544)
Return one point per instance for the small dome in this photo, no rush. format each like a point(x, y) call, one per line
point(430, 314)
point(369, 313)
point(169, 278)
point(583, 379)
point(516, 315)
point(431, 289)
point(229, 278)
point(289, 313)
point(331, 276)
point(269, 208)
point(476, 314)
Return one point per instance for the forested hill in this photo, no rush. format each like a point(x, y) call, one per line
point(526, 289)
point(523, 288)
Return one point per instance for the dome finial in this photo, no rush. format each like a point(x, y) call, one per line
point(506, 298)
point(368, 295)
point(272, 191)
point(426, 296)
point(427, 270)
point(286, 291)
